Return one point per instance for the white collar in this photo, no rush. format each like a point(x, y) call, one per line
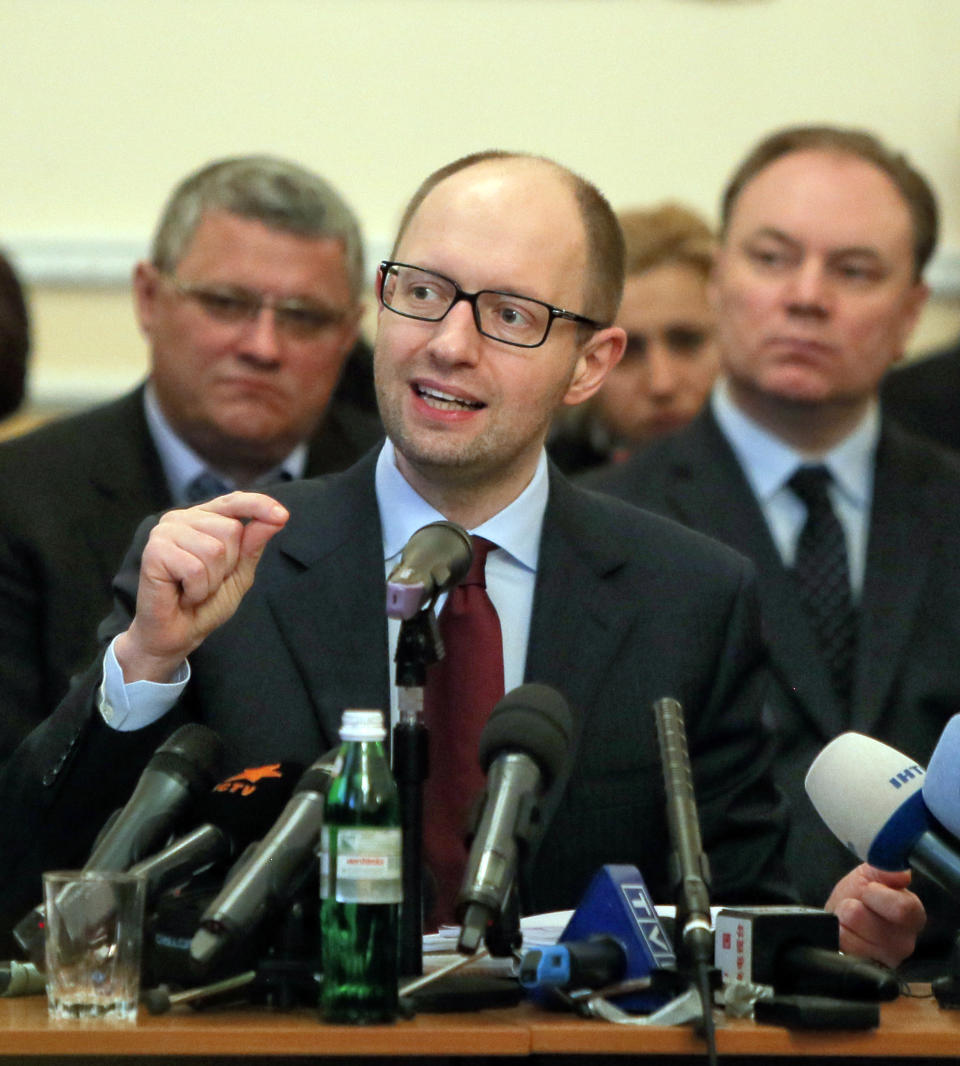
point(403, 511)
point(768, 462)
point(181, 464)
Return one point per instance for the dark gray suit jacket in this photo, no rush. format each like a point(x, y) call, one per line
point(924, 395)
point(627, 608)
point(908, 659)
point(71, 496)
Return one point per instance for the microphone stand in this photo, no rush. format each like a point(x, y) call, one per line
point(688, 863)
point(419, 645)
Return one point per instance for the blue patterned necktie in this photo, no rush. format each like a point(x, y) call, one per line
point(823, 577)
point(205, 486)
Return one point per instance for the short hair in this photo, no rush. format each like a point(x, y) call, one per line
point(276, 192)
point(913, 186)
point(603, 283)
point(14, 339)
point(666, 234)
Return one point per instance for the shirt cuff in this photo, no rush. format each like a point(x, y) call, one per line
point(127, 707)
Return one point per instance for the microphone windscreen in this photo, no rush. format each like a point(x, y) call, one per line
point(533, 719)
point(246, 804)
point(195, 752)
point(941, 786)
point(435, 558)
point(869, 796)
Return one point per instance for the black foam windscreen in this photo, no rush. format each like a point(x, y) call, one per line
point(534, 719)
point(246, 804)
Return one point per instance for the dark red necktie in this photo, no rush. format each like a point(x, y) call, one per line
point(462, 689)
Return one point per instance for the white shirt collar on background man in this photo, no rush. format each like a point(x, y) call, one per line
point(769, 463)
point(510, 573)
point(181, 464)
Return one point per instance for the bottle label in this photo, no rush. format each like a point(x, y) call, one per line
point(368, 865)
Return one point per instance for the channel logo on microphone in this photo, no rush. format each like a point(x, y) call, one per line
point(245, 783)
point(907, 776)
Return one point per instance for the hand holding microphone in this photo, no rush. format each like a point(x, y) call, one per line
point(880, 918)
point(870, 796)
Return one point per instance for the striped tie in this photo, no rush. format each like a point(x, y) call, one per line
point(823, 577)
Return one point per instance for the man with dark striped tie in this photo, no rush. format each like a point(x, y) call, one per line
point(250, 303)
point(854, 524)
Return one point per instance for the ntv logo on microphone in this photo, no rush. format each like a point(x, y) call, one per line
point(906, 776)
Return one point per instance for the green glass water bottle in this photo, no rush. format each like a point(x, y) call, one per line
point(360, 878)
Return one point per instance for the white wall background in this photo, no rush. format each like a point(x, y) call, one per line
point(106, 105)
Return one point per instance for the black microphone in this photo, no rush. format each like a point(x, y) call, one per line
point(435, 558)
point(523, 749)
point(174, 865)
point(690, 868)
point(184, 767)
point(183, 859)
point(237, 812)
point(267, 877)
point(816, 971)
point(796, 950)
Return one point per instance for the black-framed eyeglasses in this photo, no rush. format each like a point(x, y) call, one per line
point(298, 319)
point(521, 321)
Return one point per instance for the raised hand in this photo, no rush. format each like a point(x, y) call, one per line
point(197, 566)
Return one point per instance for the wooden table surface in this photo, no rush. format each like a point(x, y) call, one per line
point(910, 1027)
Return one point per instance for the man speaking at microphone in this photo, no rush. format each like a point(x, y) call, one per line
point(494, 311)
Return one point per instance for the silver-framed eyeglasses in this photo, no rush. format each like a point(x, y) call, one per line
point(521, 321)
point(298, 319)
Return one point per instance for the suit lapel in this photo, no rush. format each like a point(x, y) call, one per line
point(578, 611)
point(707, 489)
point(123, 492)
point(330, 609)
point(573, 616)
point(904, 499)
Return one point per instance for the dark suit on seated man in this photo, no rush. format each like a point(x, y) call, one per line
point(817, 286)
point(239, 389)
point(924, 395)
point(492, 312)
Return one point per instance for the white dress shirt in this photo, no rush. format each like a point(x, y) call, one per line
point(510, 572)
point(510, 577)
point(181, 464)
point(769, 463)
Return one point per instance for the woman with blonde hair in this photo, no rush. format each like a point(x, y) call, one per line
point(670, 361)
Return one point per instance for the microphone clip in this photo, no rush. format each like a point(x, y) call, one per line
point(419, 645)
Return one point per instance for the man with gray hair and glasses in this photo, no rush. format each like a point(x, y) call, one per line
point(250, 302)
